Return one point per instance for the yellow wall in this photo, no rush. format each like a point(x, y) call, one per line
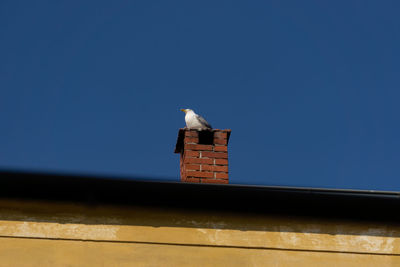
point(56, 234)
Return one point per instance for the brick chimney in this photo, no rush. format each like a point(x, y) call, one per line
point(203, 155)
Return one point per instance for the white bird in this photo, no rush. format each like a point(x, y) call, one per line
point(194, 121)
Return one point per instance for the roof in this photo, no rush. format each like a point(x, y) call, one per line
point(354, 204)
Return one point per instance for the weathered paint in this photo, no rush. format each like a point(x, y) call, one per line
point(36, 252)
point(34, 233)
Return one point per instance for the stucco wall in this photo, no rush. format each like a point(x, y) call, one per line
point(56, 234)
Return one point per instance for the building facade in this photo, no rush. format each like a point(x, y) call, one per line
point(48, 220)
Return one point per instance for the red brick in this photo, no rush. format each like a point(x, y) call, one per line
point(199, 147)
point(221, 161)
point(194, 140)
point(219, 155)
point(221, 168)
point(221, 135)
point(214, 181)
point(189, 133)
point(200, 174)
point(193, 167)
point(199, 161)
point(207, 168)
point(192, 180)
point(193, 154)
point(221, 175)
point(212, 160)
point(221, 149)
point(213, 168)
point(220, 141)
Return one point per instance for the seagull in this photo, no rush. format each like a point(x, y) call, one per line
point(194, 121)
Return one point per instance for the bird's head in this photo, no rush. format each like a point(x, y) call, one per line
point(186, 110)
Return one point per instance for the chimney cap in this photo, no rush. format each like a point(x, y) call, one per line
point(181, 136)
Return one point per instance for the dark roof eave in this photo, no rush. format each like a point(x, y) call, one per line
point(366, 204)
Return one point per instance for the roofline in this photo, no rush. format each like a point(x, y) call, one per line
point(157, 180)
point(90, 189)
point(334, 191)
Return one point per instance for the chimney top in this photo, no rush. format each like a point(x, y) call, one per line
point(203, 155)
point(204, 136)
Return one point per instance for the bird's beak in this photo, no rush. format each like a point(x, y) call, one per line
point(184, 110)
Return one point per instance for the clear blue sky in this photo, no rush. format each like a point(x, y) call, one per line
point(310, 89)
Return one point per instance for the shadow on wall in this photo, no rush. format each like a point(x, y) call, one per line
point(82, 200)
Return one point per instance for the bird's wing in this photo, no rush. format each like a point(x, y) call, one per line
point(203, 121)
